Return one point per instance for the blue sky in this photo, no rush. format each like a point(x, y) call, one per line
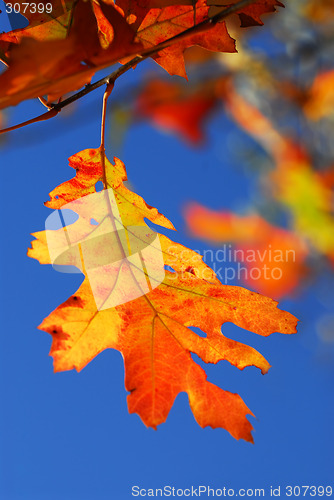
point(69, 436)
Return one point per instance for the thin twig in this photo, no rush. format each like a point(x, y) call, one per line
point(40, 118)
point(110, 79)
point(106, 95)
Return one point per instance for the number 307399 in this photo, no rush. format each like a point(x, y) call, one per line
point(32, 8)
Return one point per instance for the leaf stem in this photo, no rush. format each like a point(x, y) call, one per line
point(106, 95)
point(45, 102)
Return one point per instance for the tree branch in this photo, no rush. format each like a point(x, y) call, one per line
point(200, 27)
point(146, 53)
point(45, 116)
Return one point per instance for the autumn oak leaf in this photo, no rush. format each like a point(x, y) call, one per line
point(157, 25)
point(153, 332)
point(50, 60)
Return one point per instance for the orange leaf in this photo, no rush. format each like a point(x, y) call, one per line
point(42, 26)
point(272, 257)
point(174, 109)
point(54, 65)
point(319, 11)
point(158, 25)
point(320, 100)
point(152, 332)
